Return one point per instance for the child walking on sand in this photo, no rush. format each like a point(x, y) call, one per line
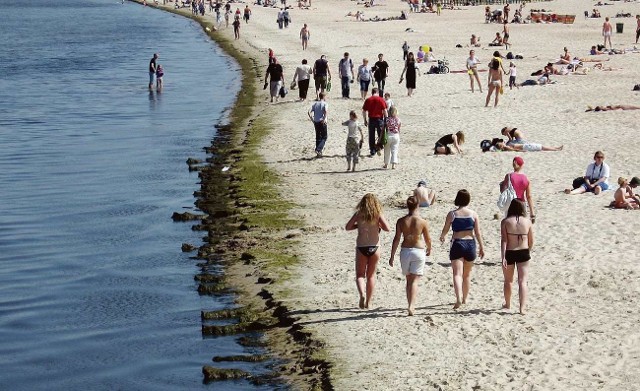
point(512, 76)
point(353, 143)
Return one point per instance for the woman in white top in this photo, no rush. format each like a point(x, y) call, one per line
point(472, 69)
point(303, 75)
point(596, 177)
point(364, 78)
point(393, 139)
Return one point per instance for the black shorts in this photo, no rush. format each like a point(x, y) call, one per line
point(447, 149)
point(463, 248)
point(517, 256)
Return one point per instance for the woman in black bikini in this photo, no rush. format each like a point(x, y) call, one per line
point(368, 220)
point(442, 145)
point(516, 243)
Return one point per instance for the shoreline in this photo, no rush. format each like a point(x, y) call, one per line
point(236, 234)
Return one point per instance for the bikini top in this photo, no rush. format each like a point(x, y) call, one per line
point(462, 223)
point(520, 236)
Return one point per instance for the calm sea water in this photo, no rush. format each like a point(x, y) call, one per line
point(94, 290)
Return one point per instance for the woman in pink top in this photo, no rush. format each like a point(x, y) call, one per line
point(520, 184)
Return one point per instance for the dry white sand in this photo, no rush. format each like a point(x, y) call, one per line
point(581, 329)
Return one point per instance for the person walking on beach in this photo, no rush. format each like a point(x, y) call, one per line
point(376, 108)
point(368, 220)
point(472, 69)
point(380, 73)
point(521, 185)
point(236, 28)
point(415, 248)
point(152, 69)
point(465, 225)
point(637, 27)
point(275, 74)
point(354, 144)
point(516, 233)
point(247, 14)
point(321, 74)
point(302, 76)
point(411, 70)
point(505, 34)
point(305, 34)
point(345, 72)
point(393, 142)
point(364, 78)
point(319, 119)
point(607, 30)
point(494, 82)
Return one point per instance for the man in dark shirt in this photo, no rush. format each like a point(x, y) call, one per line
point(321, 74)
point(275, 74)
point(376, 107)
point(380, 73)
point(152, 69)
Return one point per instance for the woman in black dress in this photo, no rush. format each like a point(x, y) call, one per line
point(442, 145)
point(411, 69)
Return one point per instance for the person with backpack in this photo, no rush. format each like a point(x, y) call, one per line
point(345, 71)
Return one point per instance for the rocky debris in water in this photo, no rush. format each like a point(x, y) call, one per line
point(191, 161)
point(234, 328)
point(187, 248)
point(210, 289)
point(243, 358)
point(209, 278)
point(218, 374)
point(251, 342)
point(186, 216)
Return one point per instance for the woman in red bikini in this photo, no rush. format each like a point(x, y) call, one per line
point(368, 220)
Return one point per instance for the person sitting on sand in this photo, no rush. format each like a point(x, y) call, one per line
point(565, 58)
point(621, 199)
point(475, 41)
point(425, 196)
point(442, 145)
point(633, 183)
point(594, 51)
point(516, 233)
point(415, 248)
point(595, 179)
point(420, 55)
point(497, 41)
point(465, 225)
point(368, 220)
point(614, 107)
point(514, 135)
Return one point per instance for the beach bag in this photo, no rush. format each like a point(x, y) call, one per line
point(329, 86)
point(508, 195)
point(283, 92)
point(293, 85)
point(579, 181)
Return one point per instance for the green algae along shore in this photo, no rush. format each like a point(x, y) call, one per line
point(249, 232)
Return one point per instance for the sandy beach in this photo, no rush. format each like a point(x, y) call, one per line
point(584, 285)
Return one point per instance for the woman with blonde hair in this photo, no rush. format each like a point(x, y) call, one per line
point(368, 220)
point(393, 139)
point(621, 198)
point(516, 232)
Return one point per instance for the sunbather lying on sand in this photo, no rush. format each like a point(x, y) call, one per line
point(614, 107)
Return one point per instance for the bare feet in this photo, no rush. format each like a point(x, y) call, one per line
point(457, 305)
point(361, 304)
point(523, 312)
point(411, 311)
point(560, 148)
point(506, 306)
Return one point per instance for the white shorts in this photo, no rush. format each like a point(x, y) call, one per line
point(530, 147)
point(412, 260)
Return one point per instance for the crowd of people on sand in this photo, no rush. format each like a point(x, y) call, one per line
point(380, 117)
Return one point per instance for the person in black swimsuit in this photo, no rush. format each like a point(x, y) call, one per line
point(369, 221)
point(516, 243)
point(442, 146)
